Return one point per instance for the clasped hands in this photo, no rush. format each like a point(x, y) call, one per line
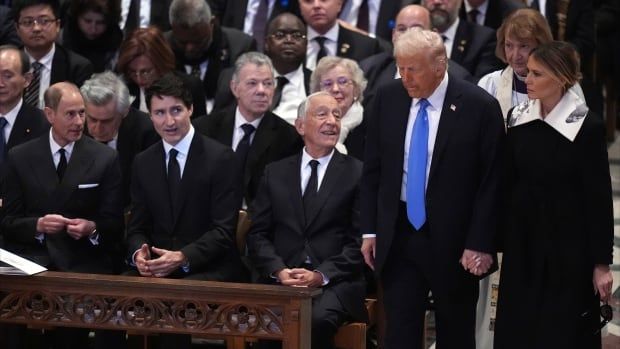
point(162, 266)
point(77, 228)
point(476, 262)
point(300, 277)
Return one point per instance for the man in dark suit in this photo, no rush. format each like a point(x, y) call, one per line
point(381, 68)
point(202, 47)
point(305, 222)
point(430, 194)
point(111, 121)
point(378, 20)
point(489, 13)
point(38, 25)
point(469, 44)
point(252, 16)
point(285, 45)
point(327, 38)
point(258, 136)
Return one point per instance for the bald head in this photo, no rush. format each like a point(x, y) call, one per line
point(411, 16)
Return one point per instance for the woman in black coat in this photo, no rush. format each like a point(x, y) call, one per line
point(559, 229)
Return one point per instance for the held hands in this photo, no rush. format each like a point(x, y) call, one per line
point(77, 228)
point(369, 246)
point(162, 266)
point(475, 262)
point(602, 281)
point(299, 277)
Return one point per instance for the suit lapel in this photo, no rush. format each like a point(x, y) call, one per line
point(226, 128)
point(43, 168)
point(331, 178)
point(294, 182)
point(22, 128)
point(344, 48)
point(461, 40)
point(449, 113)
point(261, 142)
point(402, 104)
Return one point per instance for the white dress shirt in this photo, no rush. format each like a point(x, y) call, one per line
point(482, 11)
point(542, 4)
point(293, 93)
point(182, 147)
point(350, 13)
point(238, 132)
point(145, 13)
point(331, 45)
point(449, 35)
point(55, 147)
point(250, 13)
point(46, 72)
point(10, 118)
point(306, 169)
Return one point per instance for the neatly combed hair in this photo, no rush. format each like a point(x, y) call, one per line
point(256, 58)
point(149, 42)
point(421, 40)
point(110, 9)
point(19, 5)
point(328, 63)
point(53, 94)
point(171, 85)
point(23, 57)
point(104, 87)
point(303, 106)
point(561, 59)
point(523, 24)
point(188, 13)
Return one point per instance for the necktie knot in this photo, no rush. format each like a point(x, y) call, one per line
point(320, 40)
point(423, 103)
point(314, 164)
point(36, 66)
point(173, 154)
point(248, 129)
point(3, 123)
point(282, 80)
point(473, 15)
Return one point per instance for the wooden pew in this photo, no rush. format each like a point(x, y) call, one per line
point(231, 311)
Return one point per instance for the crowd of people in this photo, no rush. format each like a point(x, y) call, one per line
point(452, 149)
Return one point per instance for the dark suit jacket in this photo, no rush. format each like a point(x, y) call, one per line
point(579, 25)
point(32, 191)
point(69, 66)
point(462, 195)
point(193, 83)
point(497, 11)
point(203, 223)
point(225, 99)
point(281, 237)
point(474, 49)
point(227, 45)
point(234, 13)
point(356, 46)
point(159, 14)
point(380, 69)
point(274, 139)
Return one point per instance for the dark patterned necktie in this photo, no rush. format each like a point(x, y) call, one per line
point(62, 164)
point(174, 174)
point(31, 96)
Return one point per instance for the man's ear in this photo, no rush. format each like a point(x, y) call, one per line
point(299, 126)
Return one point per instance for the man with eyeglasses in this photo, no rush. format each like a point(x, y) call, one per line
point(38, 25)
point(202, 47)
point(257, 135)
point(305, 220)
point(381, 68)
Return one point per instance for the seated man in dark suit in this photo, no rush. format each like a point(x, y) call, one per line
point(38, 26)
point(202, 47)
point(305, 222)
point(327, 38)
point(63, 202)
point(381, 68)
point(285, 45)
point(469, 44)
point(111, 121)
point(258, 136)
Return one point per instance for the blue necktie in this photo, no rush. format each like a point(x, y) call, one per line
point(416, 167)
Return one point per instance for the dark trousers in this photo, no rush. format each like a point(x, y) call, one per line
point(409, 274)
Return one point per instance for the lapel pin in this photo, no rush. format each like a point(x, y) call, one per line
point(344, 48)
point(27, 130)
point(452, 107)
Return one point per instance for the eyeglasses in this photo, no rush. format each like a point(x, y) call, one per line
point(143, 74)
point(342, 82)
point(295, 35)
point(30, 22)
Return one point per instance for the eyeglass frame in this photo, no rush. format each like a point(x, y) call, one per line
point(342, 82)
point(144, 73)
point(30, 22)
point(294, 35)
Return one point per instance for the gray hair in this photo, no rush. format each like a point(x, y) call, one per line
point(256, 58)
point(328, 63)
point(101, 88)
point(188, 13)
point(303, 106)
point(420, 40)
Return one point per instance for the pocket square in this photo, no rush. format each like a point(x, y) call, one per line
point(88, 186)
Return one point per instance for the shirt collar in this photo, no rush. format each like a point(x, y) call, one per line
point(437, 97)
point(55, 146)
point(45, 60)
point(566, 117)
point(11, 116)
point(183, 145)
point(306, 158)
point(240, 120)
point(296, 77)
point(332, 33)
